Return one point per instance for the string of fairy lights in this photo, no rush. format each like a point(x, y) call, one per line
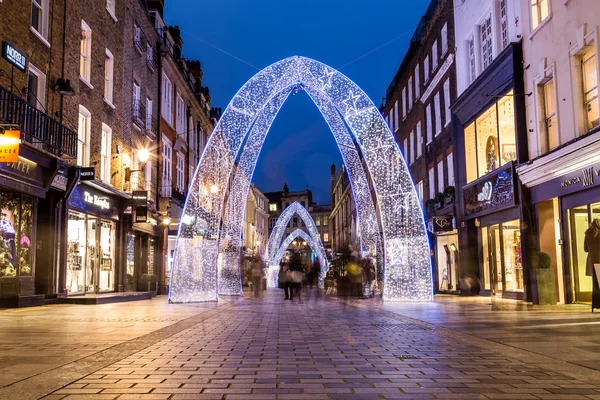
point(205, 238)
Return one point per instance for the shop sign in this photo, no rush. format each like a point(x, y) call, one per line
point(14, 56)
point(141, 214)
point(100, 202)
point(440, 224)
point(60, 180)
point(87, 174)
point(139, 197)
point(10, 140)
point(586, 178)
point(494, 192)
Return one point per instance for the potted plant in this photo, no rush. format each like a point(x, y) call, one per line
point(439, 201)
point(130, 283)
point(430, 207)
point(449, 193)
point(543, 287)
point(150, 280)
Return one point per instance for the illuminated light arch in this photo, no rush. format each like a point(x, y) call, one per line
point(407, 269)
point(316, 247)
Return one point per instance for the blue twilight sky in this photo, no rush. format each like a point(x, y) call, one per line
point(300, 148)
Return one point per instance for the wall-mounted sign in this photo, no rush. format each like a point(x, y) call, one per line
point(87, 174)
point(98, 201)
point(141, 214)
point(60, 180)
point(14, 56)
point(493, 192)
point(9, 145)
point(439, 224)
point(139, 197)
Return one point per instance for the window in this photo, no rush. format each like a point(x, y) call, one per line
point(180, 109)
point(395, 116)
point(273, 207)
point(438, 114)
point(167, 99)
point(148, 175)
point(325, 221)
point(417, 85)
point(326, 236)
point(444, 35)
point(137, 92)
point(549, 127)
point(420, 190)
point(295, 222)
point(403, 103)
point(36, 88)
point(450, 161)
point(272, 223)
point(39, 18)
point(590, 87)
point(434, 56)
point(391, 121)
point(111, 7)
point(419, 140)
point(412, 147)
point(180, 177)
point(85, 59)
point(447, 113)
point(318, 221)
point(426, 69)
point(137, 37)
point(150, 56)
point(406, 150)
point(83, 137)
point(167, 167)
point(471, 54)
point(149, 114)
point(428, 122)
point(105, 154)
point(410, 93)
point(490, 140)
point(109, 63)
point(485, 35)
point(431, 184)
point(440, 176)
point(503, 24)
point(539, 12)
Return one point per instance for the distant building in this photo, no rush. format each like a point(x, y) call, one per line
point(343, 217)
point(255, 233)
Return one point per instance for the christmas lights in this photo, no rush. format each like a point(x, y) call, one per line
point(200, 254)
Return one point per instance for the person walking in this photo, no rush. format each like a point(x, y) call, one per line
point(257, 274)
point(315, 272)
point(284, 279)
point(297, 275)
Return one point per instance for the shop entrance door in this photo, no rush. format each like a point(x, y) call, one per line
point(495, 257)
point(91, 270)
point(579, 221)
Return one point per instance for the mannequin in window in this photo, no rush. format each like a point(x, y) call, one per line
point(491, 151)
point(591, 245)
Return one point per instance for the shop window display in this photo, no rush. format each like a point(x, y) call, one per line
point(490, 141)
point(502, 257)
point(130, 260)
point(16, 234)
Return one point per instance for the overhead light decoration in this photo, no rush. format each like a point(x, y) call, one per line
point(201, 254)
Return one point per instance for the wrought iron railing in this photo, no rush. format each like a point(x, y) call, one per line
point(36, 126)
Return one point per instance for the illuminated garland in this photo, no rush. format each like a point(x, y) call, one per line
point(407, 274)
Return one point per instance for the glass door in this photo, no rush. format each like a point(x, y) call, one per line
point(106, 265)
point(91, 265)
point(495, 256)
point(130, 262)
point(76, 253)
point(579, 222)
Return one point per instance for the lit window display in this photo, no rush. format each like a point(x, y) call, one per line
point(490, 141)
point(502, 257)
point(16, 234)
point(90, 257)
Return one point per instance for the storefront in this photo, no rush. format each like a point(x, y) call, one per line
point(490, 137)
point(94, 236)
point(23, 184)
point(143, 247)
point(444, 239)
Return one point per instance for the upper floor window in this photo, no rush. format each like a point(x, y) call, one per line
point(137, 104)
point(394, 120)
point(411, 146)
point(150, 56)
point(428, 122)
point(325, 220)
point(539, 12)
point(485, 36)
point(419, 140)
point(472, 62)
point(85, 59)
point(410, 92)
point(403, 104)
point(426, 69)
point(109, 64)
point(417, 84)
point(447, 113)
point(111, 7)
point(590, 87)
point(548, 103)
point(503, 24)
point(105, 153)
point(180, 108)
point(137, 37)
point(434, 56)
point(180, 177)
point(39, 17)
point(36, 88)
point(167, 99)
point(167, 167)
point(490, 141)
point(318, 221)
point(438, 114)
point(295, 222)
point(444, 36)
point(83, 137)
point(273, 207)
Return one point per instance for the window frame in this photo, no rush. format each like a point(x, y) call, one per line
point(111, 7)
point(486, 41)
point(434, 56)
point(180, 172)
point(167, 97)
point(429, 127)
point(410, 93)
point(404, 104)
point(536, 4)
point(426, 69)
point(40, 89)
point(83, 137)
point(137, 38)
point(43, 7)
point(417, 84)
point(585, 90)
point(85, 54)
point(504, 39)
point(438, 113)
point(167, 167)
point(444, 38)
point(447, 102)
point(105, 153)
point(419, 130)
point(109, 68)
point(471, 59)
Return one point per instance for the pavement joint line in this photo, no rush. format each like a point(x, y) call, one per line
point(47, 382)
point(575, 371)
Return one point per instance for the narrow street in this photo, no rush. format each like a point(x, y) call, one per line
point(320, 348)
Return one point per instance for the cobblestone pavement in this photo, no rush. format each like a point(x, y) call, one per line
point(320, 348)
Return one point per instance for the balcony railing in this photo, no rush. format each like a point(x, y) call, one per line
point(36, 126)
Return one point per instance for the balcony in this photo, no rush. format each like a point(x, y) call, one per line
point(37, 127)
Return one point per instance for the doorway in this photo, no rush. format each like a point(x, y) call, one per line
point(579, 221)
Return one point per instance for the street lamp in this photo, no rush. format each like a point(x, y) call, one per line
point(214, 189)
point(143, 155)
point(166, 221)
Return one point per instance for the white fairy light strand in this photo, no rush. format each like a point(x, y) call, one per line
point(407, 275)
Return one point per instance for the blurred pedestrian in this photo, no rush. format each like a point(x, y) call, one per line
point(297, 275)
point(355, 274)
point(368, 276)
point(257, 274)
point(284, 279)
point(315, 272)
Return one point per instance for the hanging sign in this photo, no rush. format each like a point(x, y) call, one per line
point(14, 56)
point(139, 197)
point(141, 214)
point(87, 174)
point(9, 145)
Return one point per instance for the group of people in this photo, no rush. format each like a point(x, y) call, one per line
point(292, 275)
point(361, 276)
